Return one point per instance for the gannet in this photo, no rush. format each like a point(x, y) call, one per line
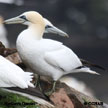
point(13, 76)
point(44, 56)
point(3, 33)
point(50, 28)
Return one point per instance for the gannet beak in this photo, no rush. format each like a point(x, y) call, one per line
point(55, 30)
point(15, 20)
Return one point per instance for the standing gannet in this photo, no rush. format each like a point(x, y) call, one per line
point(44, 56)
point(13, 76)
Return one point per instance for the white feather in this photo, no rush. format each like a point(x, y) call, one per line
point(11, 75)
point(47, 57)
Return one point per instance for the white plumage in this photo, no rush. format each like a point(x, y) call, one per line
point(48, 57)
point(44, 56)
point(13, 76)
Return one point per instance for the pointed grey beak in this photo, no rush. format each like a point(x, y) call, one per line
point(15, 20)
point(55, 30)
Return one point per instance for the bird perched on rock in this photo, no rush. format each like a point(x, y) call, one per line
point(13, 76)
point(45, 56)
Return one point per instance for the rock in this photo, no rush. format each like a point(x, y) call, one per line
point(61, 99)
point(64, 96)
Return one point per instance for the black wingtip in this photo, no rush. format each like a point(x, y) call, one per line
point(87, 63)
point(30, 91)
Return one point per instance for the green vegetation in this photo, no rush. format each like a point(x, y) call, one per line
point(10, 100)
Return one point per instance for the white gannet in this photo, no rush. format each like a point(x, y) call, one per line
point(3, 33)
point(50, 28)
point(71, 81)
point(44, 56)
point(13, 76)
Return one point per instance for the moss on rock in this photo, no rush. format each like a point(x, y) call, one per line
point(11, 100)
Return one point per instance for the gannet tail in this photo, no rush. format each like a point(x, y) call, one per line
point(89, 64)
point(28, 78)
point(85, 69)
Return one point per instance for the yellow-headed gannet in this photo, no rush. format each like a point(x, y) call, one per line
point(50, 28)
point(44, 56)
point(3, 33)
point(71, 81)
point(13, 76)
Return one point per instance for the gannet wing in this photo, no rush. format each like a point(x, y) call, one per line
point(88, 63)
point(12, 80)
point(63, 58)
point(11, 75)
point(50, 45)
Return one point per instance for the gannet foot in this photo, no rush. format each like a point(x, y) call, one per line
point(52, 90)
point(37, 81)
point(37, 84)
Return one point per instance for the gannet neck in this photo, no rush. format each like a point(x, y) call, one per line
point(36, 30)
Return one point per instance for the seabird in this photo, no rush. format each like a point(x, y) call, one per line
point(45, 56)
point(13, 76)
point(50, 28)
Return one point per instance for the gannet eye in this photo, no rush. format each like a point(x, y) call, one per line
point(23, 17)
point(47, 26)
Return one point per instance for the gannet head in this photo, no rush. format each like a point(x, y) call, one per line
point(50, 28)
point(34, 18)
point(27, 18)
point(34, 21)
